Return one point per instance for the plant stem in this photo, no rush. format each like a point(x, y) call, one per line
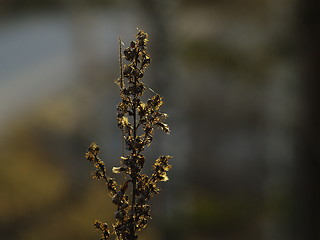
point(134, 153)
point(121, 87)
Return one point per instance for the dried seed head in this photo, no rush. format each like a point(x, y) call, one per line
point(137, 118)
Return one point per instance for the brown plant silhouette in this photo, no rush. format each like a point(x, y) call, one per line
point(137, 120)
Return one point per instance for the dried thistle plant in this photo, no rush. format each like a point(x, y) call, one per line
point(137, 120)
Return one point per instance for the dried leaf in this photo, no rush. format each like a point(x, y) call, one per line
point(118, 169)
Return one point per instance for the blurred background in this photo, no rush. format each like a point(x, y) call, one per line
point(240, 80)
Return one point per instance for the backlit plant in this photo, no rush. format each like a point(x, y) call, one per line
point(137, 120)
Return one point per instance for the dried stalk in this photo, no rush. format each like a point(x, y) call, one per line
point(133, 210)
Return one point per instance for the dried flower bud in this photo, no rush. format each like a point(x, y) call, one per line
point(111, 184)
point(97, 175)
point(164, 127)
point(127, 71)
point(102, 227)
point(129, 54)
